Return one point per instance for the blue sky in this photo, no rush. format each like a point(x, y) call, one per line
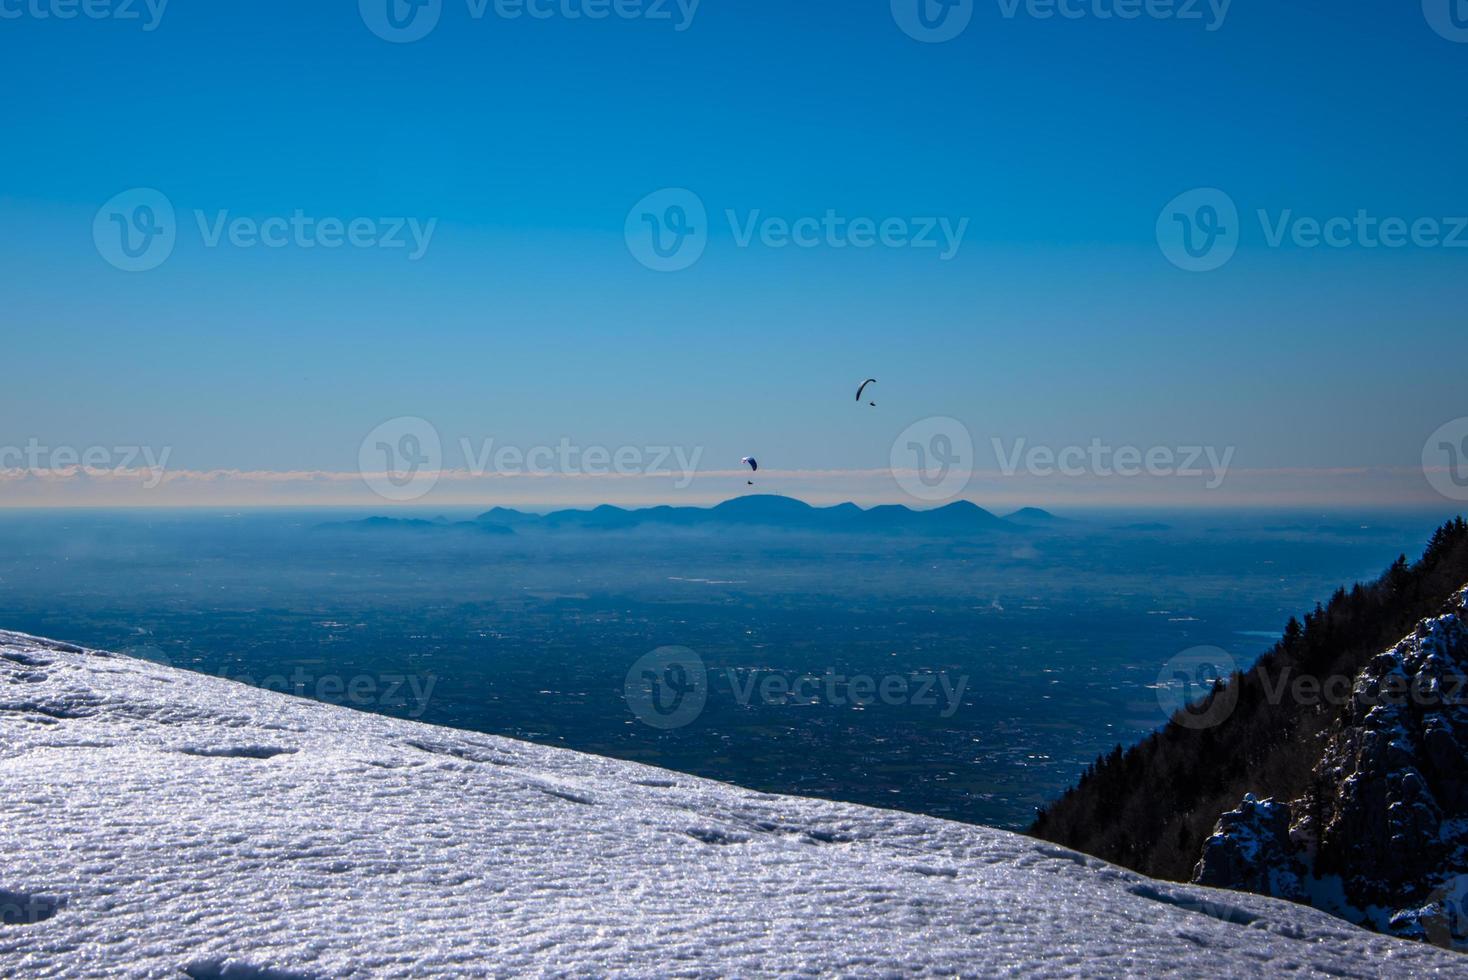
point(527, 319)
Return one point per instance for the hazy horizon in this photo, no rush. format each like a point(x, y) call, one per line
point(1327, 489)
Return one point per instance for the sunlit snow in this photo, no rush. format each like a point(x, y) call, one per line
point(155, 822)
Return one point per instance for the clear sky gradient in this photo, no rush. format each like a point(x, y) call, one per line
point(529, 321)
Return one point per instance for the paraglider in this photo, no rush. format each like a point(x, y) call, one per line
point(753, 465)
point(863, 388)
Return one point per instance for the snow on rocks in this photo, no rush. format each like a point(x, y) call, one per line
point(1385, 839)
point(157, 823)
point(1251, 851)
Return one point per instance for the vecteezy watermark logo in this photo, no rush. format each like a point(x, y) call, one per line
point(1199, 231)
point(401, 21)
point(933, 21)
point(302, 231)
point(1188, 690)
point(775, 688)
point(568, 459)
point(668, 688)
point(20, 909)
point(404, 459)
point(405, 21)
point(835, 231)
point(933, 459)
point(1102, 460)
point(679, 13)
point(408, 693)
point(149, 652)
point(34, 459)
point(1435, 692)
point(668, 230)
point(1212, 12)
point(1445, 459)
point(1362, 230)
point(1445, 916)
point(149, 13)
point(1187, 682)
point(401, 459)
point(1448, 17)
point(136, 230)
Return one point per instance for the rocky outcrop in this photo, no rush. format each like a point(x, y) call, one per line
point(1382, 839)
point(1252, 851)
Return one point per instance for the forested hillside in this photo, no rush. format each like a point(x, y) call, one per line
point(1152, 806)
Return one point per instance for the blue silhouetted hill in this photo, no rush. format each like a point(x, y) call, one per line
point(766, 511)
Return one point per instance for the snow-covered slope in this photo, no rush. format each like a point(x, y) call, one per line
point(155, 822)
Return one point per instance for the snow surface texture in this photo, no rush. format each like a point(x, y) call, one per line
point(155, 822)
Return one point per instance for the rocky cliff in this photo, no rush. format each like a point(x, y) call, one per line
point(1381, 837)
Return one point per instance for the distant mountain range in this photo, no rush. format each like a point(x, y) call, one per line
point(764, 511)
point(1034, 517)
point(416, 524)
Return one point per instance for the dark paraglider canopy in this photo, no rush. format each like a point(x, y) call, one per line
point(753, 465)
point(863, 388)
